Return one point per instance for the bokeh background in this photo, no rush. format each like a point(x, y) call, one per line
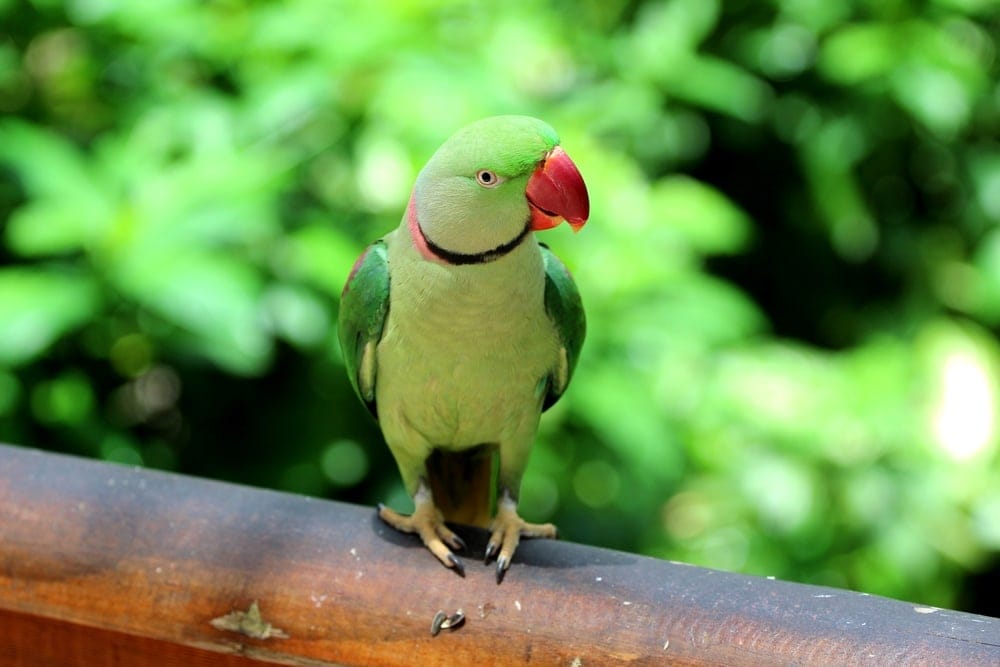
point(791, 273)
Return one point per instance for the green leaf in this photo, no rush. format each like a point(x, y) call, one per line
point(858, 52)
point(48, 227)
point(211, 298)
point(37, 307)
point(707, 219)
point(321, 255)
point(67, 206)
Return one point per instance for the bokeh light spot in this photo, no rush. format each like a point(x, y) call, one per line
point(344, 462)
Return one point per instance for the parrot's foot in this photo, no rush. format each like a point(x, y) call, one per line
point(507, 530)
point(427, 522)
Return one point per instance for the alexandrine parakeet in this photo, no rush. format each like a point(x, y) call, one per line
point(459, 328)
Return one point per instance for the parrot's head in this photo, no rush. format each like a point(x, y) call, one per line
point(494, 181)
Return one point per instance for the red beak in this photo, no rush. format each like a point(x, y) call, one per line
point(556, 192)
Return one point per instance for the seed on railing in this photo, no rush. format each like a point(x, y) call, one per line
point(443, 621)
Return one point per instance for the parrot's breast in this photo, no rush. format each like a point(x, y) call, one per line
point(466, 349)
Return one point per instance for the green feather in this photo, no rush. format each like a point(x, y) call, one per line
point(509, 145)
point(459, 214)
point(468, 353)
point(364, 306)
point(565, 309)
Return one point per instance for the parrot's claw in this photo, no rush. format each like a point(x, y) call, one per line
point(502, 565)
point(457, 565)
point(507, 530)
point(427, 522)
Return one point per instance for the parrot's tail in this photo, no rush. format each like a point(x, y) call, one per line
point(462, 484)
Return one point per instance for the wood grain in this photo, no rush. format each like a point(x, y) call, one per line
point(109, 565)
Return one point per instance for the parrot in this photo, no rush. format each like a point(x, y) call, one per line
point(459, 328)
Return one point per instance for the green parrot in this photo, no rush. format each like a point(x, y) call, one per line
point(459, 328)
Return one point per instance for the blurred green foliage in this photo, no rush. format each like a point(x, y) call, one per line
point(792, 272)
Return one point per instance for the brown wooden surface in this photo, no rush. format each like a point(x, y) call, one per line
point(109, 565)
point(34, 641)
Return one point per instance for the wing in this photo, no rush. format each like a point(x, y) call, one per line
point(565, 310)
point(364, 305)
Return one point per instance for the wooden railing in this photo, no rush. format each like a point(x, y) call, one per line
point(102, 564)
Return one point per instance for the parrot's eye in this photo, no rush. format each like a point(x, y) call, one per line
point(487, 178)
